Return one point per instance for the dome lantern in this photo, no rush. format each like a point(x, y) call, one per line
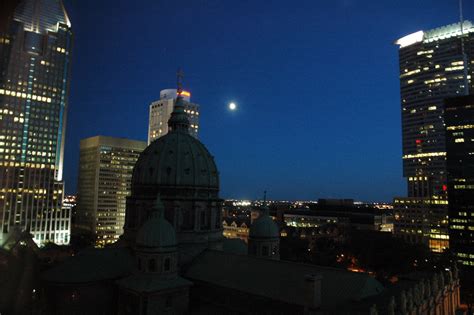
point(179, 121)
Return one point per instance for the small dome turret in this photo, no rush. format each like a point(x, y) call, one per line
point(264, 226)
point(157, 232)
point(264, 237)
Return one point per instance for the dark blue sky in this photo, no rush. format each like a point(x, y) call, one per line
point(316, 83)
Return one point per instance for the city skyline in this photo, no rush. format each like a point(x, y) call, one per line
point(317, 146)
point(324, 165)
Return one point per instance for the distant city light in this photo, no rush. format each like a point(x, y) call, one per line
point(242, 203)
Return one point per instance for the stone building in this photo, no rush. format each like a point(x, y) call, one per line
point(180, 169)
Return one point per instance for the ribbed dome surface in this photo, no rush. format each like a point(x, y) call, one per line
point(156, 232)
point(176, 159)
point(264, 227)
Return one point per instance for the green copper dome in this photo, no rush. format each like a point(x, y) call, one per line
point(264, 227)
point(157, 232)
point(176, 159)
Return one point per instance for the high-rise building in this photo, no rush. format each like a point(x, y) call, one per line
point(160, 113)
point(35, 55)
point(459, 117)
point(105, 173)
point(431, 69)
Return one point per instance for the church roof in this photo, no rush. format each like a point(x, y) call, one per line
point(151, 282)
point(92, 265)
point(280, 280)
point(234, 246)
point(176, 159)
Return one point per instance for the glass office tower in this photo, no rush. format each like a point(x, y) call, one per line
point(431, 69)
point(434, 65)
point(35, 54)
point(459, 114)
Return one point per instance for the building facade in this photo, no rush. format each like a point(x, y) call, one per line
point(459, 115)
point(431, 69)
point(35, 54)
point(160, 113)
point(105, 174)
point(236, 228)
point(422, 221)
point(434, 65)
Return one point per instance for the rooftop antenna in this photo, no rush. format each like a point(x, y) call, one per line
point(179, 79)
point(463, 51)
point(264, 197)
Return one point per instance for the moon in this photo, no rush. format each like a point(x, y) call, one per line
point(232, 106)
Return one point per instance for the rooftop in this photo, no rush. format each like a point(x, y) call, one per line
point(92, 265)
point(41, 16)
point(435, 34)
point(280, 280)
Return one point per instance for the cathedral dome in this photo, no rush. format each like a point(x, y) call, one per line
point(156, 232)
point(264, 227)
point(176, 159)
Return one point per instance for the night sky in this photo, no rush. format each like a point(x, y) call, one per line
point(316, 83)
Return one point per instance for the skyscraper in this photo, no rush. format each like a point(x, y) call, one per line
point(160, 113)
point(459, 116)
point(431, 69)
point(35, 54)
point(105, 173)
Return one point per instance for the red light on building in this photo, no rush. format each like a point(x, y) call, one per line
point(419, 141)
point(445, 187)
